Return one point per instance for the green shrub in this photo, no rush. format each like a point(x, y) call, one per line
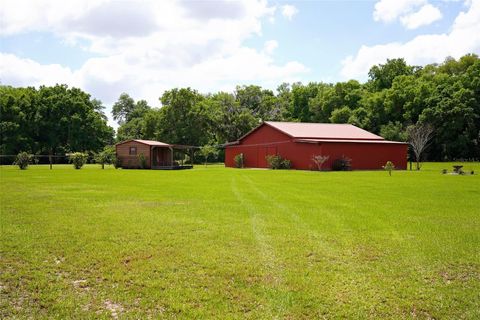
point(78, 159)
point(286, 164)
point(342, 164)
point(142, 161)
point(22, 160)
point(239, 160)
point(277, 162)
point(208, 150)
point(389, 166)
point(106, 156)
point(274, 161)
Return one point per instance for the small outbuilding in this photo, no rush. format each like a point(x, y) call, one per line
point(150, 154)
point(300, 142)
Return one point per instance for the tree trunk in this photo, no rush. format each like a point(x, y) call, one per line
point(103, 165)
point(50, 159)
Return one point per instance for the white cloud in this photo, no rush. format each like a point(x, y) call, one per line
point(270, 46)
point(391, 10)
point(288, 11)
point(425, 16)
point(463, 38)
point(411, 13)
point(146, 47)
point(26, 72)
point(105, 78)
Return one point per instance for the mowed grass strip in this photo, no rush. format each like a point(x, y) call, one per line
point(239, 243)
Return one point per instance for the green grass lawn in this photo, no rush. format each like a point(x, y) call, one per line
point(232, 243)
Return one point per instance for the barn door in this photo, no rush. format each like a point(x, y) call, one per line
point(262, 153)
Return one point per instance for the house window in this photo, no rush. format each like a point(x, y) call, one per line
point(133, 151)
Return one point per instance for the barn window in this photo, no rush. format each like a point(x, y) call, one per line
point(133, 151)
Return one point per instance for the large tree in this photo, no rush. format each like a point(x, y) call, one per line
point(301, 95)
point(184, 119)
point(263, 104)
point(51, 120)
point(230, 119)
point(123, 108)
point(131, 117)
point(382, 75)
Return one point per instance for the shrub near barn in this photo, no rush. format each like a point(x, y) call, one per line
point(277, 162)
point(78, 159)
point(239, 159)
point(342, 164)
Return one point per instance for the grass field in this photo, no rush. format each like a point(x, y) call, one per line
point(231, 243)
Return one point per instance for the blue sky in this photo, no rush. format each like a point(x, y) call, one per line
point(323, 33)
point(45, 48)
point(145, 47)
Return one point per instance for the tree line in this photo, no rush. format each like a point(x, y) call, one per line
point(51, 121)
point(396, 96)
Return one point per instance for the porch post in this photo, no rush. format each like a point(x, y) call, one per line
point(171, 155)
point(151, 153)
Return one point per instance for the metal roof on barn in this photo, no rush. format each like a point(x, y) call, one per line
point(332, 131)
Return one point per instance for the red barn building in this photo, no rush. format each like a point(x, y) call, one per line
point(299, 142)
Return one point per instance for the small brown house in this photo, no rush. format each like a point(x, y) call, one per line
point(158, 155)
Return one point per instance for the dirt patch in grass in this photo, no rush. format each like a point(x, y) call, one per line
point(460, 273)
point(115, 309)
point(131, 259)
point(81, 284)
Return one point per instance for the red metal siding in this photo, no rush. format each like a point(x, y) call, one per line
point(256, 146)
point(367, 155)
point(266, 140)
